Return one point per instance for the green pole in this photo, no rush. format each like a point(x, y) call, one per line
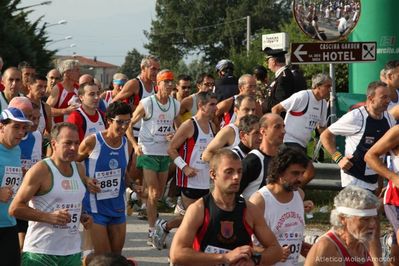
point(378, 22)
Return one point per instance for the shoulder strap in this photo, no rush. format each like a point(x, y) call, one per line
point(84, 125)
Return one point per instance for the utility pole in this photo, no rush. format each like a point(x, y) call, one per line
point(248, 33)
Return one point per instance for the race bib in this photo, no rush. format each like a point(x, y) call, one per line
point(109, 182)
point(215, 250)
point(12, 178)
point(27, 163)
point(74, 209)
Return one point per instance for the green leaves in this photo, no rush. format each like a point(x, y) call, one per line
point(22, 40)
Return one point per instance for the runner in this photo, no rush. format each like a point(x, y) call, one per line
point(13, 127)
point(217, 229)
point(106, 156)
point(51, 197)
point(354, 221)
point(185, 150)
point(229, 136)
point(158, 113)
point(87, 117)
point(281, 202)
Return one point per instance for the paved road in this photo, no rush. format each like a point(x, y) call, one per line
point(136, 247)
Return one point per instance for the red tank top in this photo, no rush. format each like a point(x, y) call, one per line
point(348, 259)
point(63, 99)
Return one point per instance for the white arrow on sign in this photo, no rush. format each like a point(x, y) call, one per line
point(298, 52)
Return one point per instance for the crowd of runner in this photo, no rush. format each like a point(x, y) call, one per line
point(229, 154)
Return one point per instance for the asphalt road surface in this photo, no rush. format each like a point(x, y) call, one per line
point(136, 243)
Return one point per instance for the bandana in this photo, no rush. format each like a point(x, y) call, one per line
point(357, 212)
point(168, 75)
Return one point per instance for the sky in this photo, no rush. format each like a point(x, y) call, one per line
point(103, 28)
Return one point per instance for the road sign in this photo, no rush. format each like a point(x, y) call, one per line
point(275, 41)
point(325, 53)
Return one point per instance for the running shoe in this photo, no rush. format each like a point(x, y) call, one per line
point(169, 202)
point(160, 234)
point(142, 214)
point(150, 241)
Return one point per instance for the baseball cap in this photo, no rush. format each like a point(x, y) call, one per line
point(14, 114)
point(273, 52)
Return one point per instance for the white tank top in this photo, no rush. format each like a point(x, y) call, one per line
point(66, 193)
point(254, 185)
point(92, 127)
point(193, 157)
point(236, 136)
point(286, 220)
point(42, 120)
point(157, 123)
point(137, 126)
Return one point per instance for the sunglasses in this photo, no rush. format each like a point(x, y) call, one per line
point(186, 87)
point(121, 122)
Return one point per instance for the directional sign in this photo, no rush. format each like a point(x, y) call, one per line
point(324, 53)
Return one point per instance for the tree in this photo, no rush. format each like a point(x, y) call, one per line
point(131, 66)
point(22, 40)
point(211, 28)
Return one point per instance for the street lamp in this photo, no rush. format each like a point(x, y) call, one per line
point(60, 40)
point(40, 4)
point(61, 22)
point(67, 47)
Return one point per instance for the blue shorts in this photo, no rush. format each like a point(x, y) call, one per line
point(107, 220)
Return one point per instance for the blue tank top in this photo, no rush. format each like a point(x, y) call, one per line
point(10, 175)
point(108, 166)
point(31, 149)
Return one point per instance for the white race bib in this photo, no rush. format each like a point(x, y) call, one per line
point(12, 178)
point(74, 209)
point(109, 182)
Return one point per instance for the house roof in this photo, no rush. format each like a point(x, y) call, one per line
point(87, 61)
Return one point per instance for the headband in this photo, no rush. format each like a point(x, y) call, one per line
point(167, 75)
point(119, 81)
point(357, 212)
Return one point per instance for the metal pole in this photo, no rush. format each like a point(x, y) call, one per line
point(248, 33)
point(333, 94)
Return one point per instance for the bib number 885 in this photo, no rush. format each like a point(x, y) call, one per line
point(109, 183)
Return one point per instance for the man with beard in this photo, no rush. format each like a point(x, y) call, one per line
point(281, 201)
point(354, 222)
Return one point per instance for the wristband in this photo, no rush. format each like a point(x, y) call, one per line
point(179, 162)
point(337, 156)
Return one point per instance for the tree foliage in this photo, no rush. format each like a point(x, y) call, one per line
point(131, 67)
point(22, 40)
point(212, 28)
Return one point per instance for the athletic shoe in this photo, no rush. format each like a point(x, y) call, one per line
point(150, 239)
point(169, 202)
point(179, 209)
point(160, 234)
point(142, 214)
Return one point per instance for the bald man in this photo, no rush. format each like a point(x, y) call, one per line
point(12, 81)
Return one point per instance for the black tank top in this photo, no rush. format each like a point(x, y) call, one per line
point(221, 230)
